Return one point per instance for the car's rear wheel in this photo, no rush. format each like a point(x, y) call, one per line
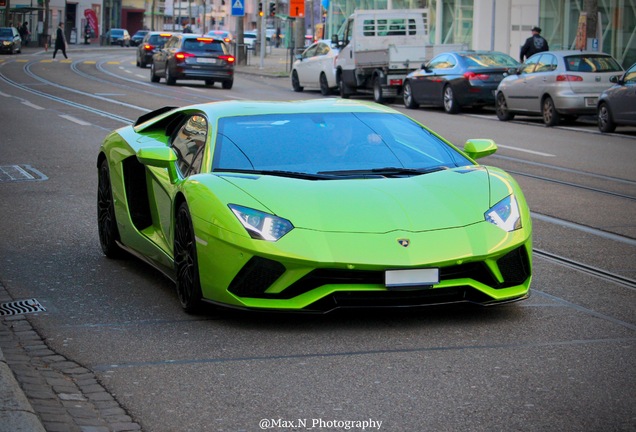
point(153, 75)
point(451, 106)
point(550, 114)
point(170, 80)
point(185, 261)
point(324, 85)
point(106, 222)
point(501, 108)
point(604, 116)
point(378, 95)
point(407, 95)
point(227, 84)
point(142, 64)
point(209, 82)
point(296, 82)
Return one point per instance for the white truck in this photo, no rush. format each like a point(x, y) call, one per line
point(379, 48)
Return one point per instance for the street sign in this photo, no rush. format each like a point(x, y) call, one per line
point(296, 8)
point(238, 8)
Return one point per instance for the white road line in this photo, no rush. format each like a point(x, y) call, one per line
point(75, 120)
point(526, 151)
point(29, 104)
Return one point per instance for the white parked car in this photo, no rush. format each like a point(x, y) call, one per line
point(556, 84)
point(315, 68)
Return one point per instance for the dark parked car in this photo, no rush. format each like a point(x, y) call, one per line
point(153, 42)
point(10, 40)
point(136, 39)
point(617, 104)
point(192, 57)
point(118, 37)
point(456, 79)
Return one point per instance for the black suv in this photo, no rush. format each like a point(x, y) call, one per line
point(192, 57)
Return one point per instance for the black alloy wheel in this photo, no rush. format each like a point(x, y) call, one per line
point(185, 261)
point(106, 222)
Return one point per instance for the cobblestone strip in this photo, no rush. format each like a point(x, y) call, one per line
point(66, 396)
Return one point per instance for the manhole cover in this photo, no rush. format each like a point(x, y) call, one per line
point(21, 307)
point(15, 173)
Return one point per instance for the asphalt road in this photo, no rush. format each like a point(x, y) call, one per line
point(561, 360)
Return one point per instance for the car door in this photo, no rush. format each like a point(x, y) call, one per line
point(306, 68)
point(623, 101)
point(428, 83)
point(542, 80)
point(514, 87)
point(160, 58)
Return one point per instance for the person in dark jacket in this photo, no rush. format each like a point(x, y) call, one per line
point(534, 44)
point(60, 40)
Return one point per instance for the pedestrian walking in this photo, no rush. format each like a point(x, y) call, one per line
point(534, 44)
point(25, 34)
point(60, 40)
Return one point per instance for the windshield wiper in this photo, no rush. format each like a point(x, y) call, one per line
point(279, 173)
point(386, 171)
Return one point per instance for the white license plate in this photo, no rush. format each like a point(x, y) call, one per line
point(411, 278)
point(206, 60)
point(591, 101)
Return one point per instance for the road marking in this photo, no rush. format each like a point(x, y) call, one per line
point(5, 95)
point(526, 150)
point(29, 104)
point(75, 120)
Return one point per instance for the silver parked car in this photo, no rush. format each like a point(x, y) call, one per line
point(314, 68)
point(617, 104)
point(556, 84)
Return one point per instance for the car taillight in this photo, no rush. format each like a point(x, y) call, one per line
point(149, 47)
point(227, 58)
point(227, 40)
point(475, 76)
point(182, 56)
point(568, 78)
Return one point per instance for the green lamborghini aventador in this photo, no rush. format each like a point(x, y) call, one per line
point(312, 206)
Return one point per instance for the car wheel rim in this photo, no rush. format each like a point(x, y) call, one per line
point(105, 208)
point(408, 96)
point(603, 116)
point(548, 111)
point(448, 99)
point(184, 256)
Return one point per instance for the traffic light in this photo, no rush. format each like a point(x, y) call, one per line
point(260, 9)
point(272, 9)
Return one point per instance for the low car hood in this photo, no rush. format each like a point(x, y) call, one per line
point(444, 199)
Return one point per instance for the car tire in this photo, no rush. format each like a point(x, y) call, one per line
point(324, 85)
point(185, 261)
point(344, 89)
point(170, 80)
point(153, 76)
point(604, 117)
point(378, 96)
point(501, 108)
point(209, 82)
point(549, 112)
point(407, 96)
point(106, 222)
point(227, 84)
point(451, 106)
point(295, 82)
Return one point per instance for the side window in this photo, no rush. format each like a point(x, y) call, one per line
point(310, 52)
point(189, 144)
point(630, 76)
point(529, 65)
point(546, 63)
point(443, 61)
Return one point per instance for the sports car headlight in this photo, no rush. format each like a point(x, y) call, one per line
point(505, 214)
point(260, 225)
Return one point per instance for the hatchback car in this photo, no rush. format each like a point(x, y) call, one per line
point(315, 68)
point(10, 40)
point(152, 42)
point(456, 79)
point(556, 84)
point(136, 39)
point(118, 37)
point(192, 57)
point(226, 36)
point(617, 104)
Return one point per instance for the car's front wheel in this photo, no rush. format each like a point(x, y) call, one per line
point(550, 114)
point(451, 106)
point(604, 116)
point(501, 108)
point(407, 95)
point(324, 85)
point(106, 222)
point(185, 261)
point(296, 82)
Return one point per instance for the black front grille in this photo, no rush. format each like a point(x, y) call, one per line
point(255, 277)
point(514, 267)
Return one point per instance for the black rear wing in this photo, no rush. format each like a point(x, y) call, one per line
point(153, 114)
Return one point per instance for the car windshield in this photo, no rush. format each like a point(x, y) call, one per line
point(203, 45)
point(482, 60)
point(335, 144)
point(6, 32)
point(117, 32)
point(591, 63)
